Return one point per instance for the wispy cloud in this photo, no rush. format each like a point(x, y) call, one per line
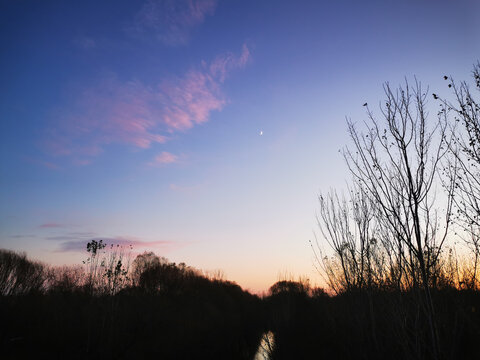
point(85, 42)
point(49, 165)
point(190, 100)
point(82, 162)
point(163, 159)
point(21, 236)
point(225, 63)
point(186, 189)
point(139, 115)
point(81, 236)
point(46, 164)
point(82, 233)
point(110, 112)
point(50, 225)
point(125, 241)
point(171, 21)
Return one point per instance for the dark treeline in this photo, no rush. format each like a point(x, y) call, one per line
point(170, 311)
point(401, 266)
point(376, 324)
point(108, 309)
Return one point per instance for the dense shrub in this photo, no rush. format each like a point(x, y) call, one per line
point(18, 275)
point(173, 313)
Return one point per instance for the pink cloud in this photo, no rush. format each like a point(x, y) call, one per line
point(171, 21)
point(223, 64)
point(50, 225)
point(139, 115)
point(190, 100)
point(124, 241)
point(163, 159)
point(110, 112)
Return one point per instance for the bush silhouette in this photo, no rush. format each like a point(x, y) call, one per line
point(173, 312)
point(19, 276)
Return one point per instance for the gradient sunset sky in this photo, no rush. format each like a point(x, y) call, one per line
point(139, 122)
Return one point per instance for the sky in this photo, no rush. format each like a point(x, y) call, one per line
point(201, 130)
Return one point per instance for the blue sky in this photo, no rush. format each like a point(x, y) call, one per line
point(139, 121)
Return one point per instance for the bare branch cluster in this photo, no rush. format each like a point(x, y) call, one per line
point(414, 181)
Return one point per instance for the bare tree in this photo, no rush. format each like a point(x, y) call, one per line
point(117, 266)
point(349, 227)
point(397, 161)
point(463, 168)
point(107, 271)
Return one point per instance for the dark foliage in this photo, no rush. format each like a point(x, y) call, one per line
point(173, 312)
point(370, 324)
point(177, 314)
point(18, 275)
